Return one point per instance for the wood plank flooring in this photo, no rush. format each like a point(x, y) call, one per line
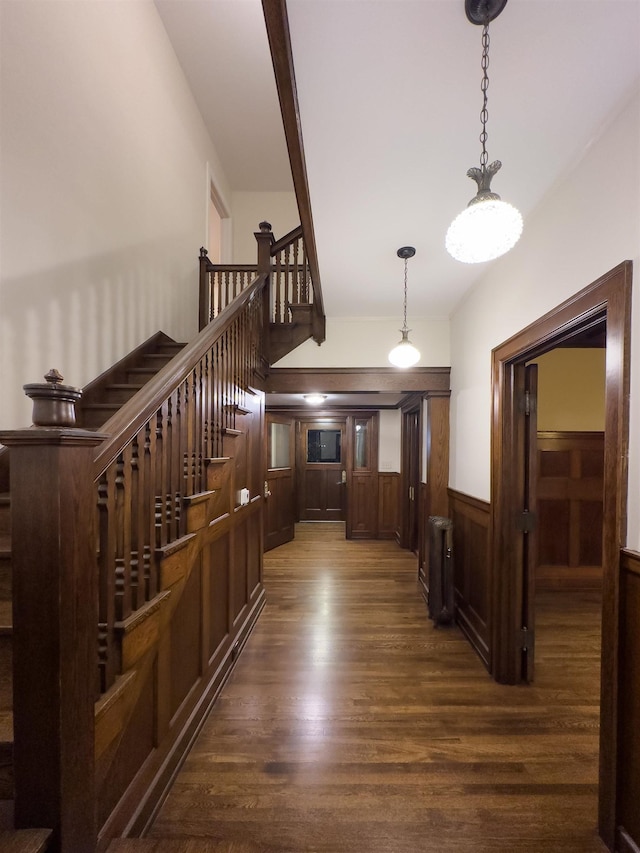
point(351, 724)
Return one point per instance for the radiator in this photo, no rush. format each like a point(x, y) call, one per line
point(441, 597)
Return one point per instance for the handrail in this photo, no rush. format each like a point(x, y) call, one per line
point(126, 422)
point(285, 241)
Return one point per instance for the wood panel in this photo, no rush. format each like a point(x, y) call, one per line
point(279, 508)
point(294, 380)
point(471, 521)
point(388, 499)
point(570, 469)
point(628, 818)
point(363, 506)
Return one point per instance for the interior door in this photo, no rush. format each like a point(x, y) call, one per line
point(411, 480)
point(322, 474)
point(528, 521)
point(279, 483)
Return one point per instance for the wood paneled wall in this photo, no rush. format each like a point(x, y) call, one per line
point(388, 505)
point(570, 470)
point(628, 819)
point(471, 569)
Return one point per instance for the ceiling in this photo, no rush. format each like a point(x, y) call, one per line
point(389, 99)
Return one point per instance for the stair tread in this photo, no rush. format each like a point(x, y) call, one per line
point(24, 840)
point(185, 845)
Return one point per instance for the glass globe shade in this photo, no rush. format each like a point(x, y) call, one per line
point(484, 231)
point(404, 354)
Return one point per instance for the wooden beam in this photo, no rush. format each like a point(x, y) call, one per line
point(294, 380)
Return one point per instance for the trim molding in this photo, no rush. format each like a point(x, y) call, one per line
point(625, 843)
point(298, 380)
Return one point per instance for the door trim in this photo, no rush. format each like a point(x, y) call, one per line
point(607, 298)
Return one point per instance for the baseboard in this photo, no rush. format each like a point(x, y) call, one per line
point(625, 843)
point(476, 641)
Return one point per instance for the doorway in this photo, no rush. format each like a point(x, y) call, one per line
point(608, 299)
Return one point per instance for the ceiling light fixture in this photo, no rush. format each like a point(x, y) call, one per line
point(488, 227)
point(405, 354)
point(315, 399)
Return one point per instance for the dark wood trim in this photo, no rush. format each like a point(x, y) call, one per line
point(277, 23)
point(294, 380)
point(608, 298)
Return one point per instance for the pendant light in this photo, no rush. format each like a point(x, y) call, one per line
point(488, 227)
point(404, 354)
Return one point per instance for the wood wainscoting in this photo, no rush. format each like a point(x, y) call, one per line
point(388, 501)
point(471, 524)
point(628, 817)
point(570, 472)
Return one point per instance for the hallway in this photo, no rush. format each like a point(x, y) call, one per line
point(351, 724)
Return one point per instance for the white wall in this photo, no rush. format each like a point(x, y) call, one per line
point(587, 225)
point(366, 342)
point(249, 209)
point(104, 193)
point(389, 439)
point(571, 386)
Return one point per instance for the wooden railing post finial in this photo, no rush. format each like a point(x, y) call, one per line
point(54, 404)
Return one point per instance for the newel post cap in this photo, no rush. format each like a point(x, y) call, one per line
point(54, 404)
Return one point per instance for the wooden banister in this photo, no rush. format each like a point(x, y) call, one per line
point(133, 415)
point(289, 238)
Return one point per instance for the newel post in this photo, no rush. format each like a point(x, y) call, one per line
point(55, 618)
point(204, 296)
point(265, 240)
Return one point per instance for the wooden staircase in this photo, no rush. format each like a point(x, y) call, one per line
point(101, 399)
point(154, 536)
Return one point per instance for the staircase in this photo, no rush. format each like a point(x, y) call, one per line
point(165, 518)
point(101, 399)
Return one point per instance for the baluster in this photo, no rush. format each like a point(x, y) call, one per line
point(206, 436)
point(106, 604)
point(296, 272)
point(159, 481)
point(195, 447)
point(226, 289)
point(288, 284)
point(202, 424)
point(136, 528)
point(122, 523)
point(278, 290)
point(168, 472)
point(176, 468)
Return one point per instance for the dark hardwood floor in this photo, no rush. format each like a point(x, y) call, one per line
point(351, 724)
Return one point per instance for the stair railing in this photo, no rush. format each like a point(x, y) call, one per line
point(154, 458)
point(157, 455)
point(293, 292)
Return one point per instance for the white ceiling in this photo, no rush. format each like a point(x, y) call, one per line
point(389, 95)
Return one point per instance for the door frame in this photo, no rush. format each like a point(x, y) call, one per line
point(609, 298)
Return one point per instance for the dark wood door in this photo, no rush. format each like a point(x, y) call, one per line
point(528, 522)
point(322, 470)
point(411, 480)
point(279, 483)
